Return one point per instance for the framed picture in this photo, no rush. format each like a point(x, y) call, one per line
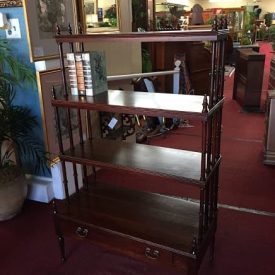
point(46, 80)
point(42, 17)
point(99, 15)
point(90, 7)
point(10, 4)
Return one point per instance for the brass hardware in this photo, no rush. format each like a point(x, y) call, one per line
point(81, 232)
point(152, 254)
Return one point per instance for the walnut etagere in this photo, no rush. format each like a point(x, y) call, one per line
point(148, 226)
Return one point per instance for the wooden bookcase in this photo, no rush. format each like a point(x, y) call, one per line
point(151, 227)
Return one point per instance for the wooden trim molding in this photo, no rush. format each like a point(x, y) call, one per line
point(11, 3)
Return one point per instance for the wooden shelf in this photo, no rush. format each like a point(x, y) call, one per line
point(144, 217)
point(155, 36)
point(152, 104)
point(160, 161)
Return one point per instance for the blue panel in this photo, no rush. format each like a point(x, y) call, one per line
point(26, 95)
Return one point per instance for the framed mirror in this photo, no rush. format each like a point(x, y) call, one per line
point(99, 15)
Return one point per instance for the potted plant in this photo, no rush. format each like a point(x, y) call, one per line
point(110, 14)
point(17, 143)
point(248, 28)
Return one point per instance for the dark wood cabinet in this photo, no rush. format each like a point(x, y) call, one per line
point(248, 79)
point(232, 58)
point(152, 227)
point(269, 140)
point(198, 61)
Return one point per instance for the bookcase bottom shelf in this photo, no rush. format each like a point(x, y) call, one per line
point(146, 226)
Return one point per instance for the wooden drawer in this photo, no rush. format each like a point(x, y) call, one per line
point(127, 245)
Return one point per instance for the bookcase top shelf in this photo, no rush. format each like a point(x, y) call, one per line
point(156, 36)
point(152, 104)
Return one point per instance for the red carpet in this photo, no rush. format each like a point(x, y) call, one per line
point(245, 181)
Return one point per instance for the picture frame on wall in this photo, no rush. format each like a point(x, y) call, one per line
point(10, 4)
point(42, 18)
point(99, 15)
point(90, 7)
point(46, 80)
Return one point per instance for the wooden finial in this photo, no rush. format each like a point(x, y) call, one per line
point(53, 92)
point(80, 29)
point(58, 30)
point(177, 65)
point(215, 23)
point(205, 104)
point(194, 246)
point(70, 30)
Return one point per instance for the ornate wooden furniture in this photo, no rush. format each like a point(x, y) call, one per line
point(148, 226)
point(248, 79)
point(236, 46)
point(269, 140)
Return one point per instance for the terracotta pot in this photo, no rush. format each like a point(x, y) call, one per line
point(12, 197)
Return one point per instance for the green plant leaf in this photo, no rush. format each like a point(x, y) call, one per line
point(17, 122)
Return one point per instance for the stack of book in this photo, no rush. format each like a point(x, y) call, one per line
point(87, 73)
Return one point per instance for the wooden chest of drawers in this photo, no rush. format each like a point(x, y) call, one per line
point(248, 79)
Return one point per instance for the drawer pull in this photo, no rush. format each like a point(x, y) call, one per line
point(81, 232)
point(152, 254)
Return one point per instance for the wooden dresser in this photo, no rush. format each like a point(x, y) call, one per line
point(248, 79)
